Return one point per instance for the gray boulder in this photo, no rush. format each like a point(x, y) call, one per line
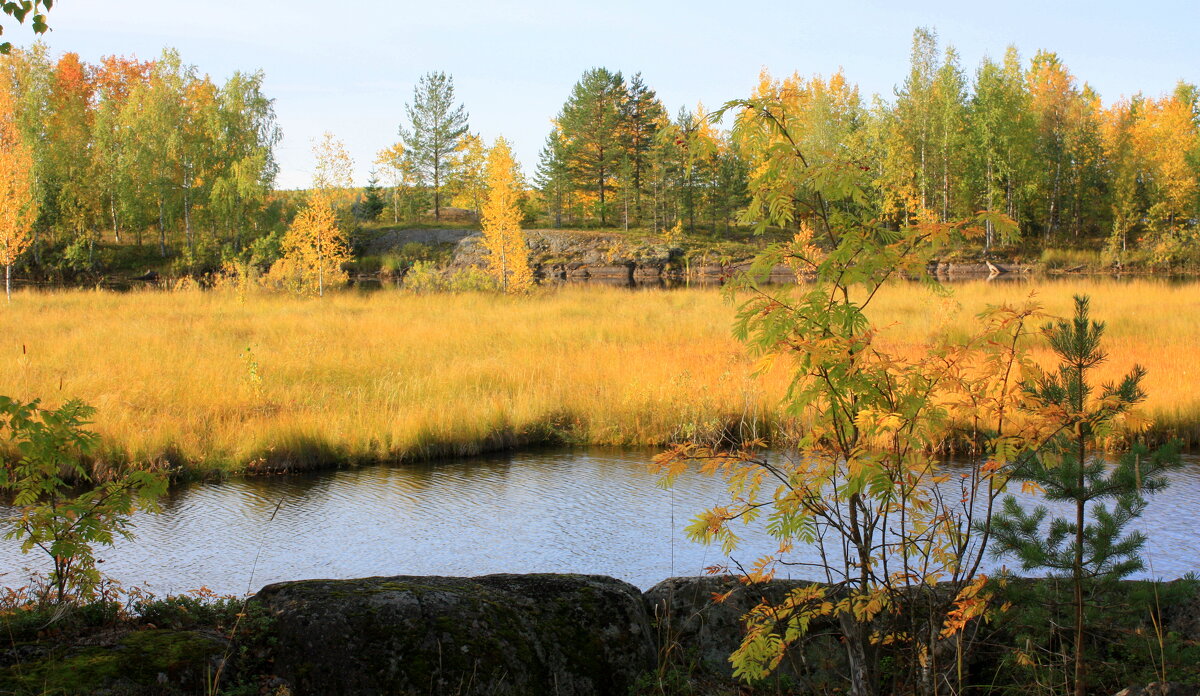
point(496, 634)
point(698, 633)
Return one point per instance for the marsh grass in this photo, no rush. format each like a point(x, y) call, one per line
point(217, 381)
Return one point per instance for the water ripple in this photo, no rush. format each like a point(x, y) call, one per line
point(586, 511)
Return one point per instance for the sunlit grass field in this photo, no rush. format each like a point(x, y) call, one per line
point(211, 381)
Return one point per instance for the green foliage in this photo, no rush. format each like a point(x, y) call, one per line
point(371, 205)
point(436, 125)
point(1069, 469)
point(19, 10)
point(427, 276)
point(591, 127)
point(51, 515)
point(859, 479)
point(1129, 641)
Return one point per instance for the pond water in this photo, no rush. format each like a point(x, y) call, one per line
point(579, 511)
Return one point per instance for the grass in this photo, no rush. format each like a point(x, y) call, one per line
point(216, 383)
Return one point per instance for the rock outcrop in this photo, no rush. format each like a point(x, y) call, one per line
point(496, 634)
point(695, 629)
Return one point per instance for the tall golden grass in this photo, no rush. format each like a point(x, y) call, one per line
point(216, 382)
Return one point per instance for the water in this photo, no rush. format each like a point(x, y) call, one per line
point(581, 511)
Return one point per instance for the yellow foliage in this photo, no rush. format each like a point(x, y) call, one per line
point(18, 209)
point(508, 257)
point(314, 250)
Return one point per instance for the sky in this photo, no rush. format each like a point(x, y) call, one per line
point(350, 68)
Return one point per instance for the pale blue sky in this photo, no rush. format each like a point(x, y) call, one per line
point(350, 70)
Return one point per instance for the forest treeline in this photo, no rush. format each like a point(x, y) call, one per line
point(1026, 139)
point(149, 152)
point(157, 156)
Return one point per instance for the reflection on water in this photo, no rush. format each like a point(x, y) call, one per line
point(582, 511)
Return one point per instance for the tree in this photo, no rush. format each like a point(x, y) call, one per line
point(642, 114)
point(371, 205)
point(552, 178)
point(52, 512)
point(1001, 132)
point(508, 257)
point(1164, 138)
point(591, 131)
point(469, 168)
point(244, 166)
point(333, 173)
point(314, 249)
point(399, 169)
point(860, 481)
point(436, 126)
point(1072, 471)
point(916, 115)
point(18, 209)
point(111, 141)
point(71, 114)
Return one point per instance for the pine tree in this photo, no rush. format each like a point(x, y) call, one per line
point(436, 126)
point(643, 114)
point(1071, 470)
point(508, 257)
point(592, 124)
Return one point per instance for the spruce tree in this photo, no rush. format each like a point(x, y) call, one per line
point(1071, 470)
point(371, 205)
point(436, 126)
point(552, 177)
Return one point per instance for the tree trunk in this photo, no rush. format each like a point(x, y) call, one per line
point(856, 656)
point(112, 204)
point(987, 241)
point(8, 282)
point(437, 189)
point(1080, 686)
point(162, 230)
point(1053, 201)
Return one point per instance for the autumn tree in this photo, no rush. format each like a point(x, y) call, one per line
point(1001, 139)
point(859, 479)
point(315, 247)
point(469, 167)
point(112, 142)
point(508, 257)
point(333, 172)
point(1166, 141)
point(436, 124)
point(314, 250)
point(73, 203)
point(400, 172)
point(18, 209)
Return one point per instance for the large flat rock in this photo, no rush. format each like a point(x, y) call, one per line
point(496, 634)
